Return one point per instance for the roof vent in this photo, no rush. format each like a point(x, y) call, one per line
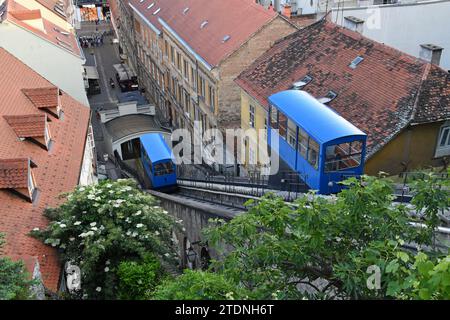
point(185, 10)
point(204, 23)
point(226, 38)
point(150, 6)
point(16, 176)
point(356, 62)
point(331, 95)
point(302, 82)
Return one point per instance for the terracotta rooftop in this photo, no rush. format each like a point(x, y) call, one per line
point(54, 6)
point(14, 173)
point(381, 95)
point(28, 126)
point(237, 19)
point(19, 15)
point(56, 172)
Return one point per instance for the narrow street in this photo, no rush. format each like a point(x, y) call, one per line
point(103, 57)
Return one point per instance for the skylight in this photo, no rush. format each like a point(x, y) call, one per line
point(156, 11)
point(356, 62)
point(185, 10)
point(226, 38)
point(150, 6)
point(302, 82)
point(204, 23)
point(331, 95)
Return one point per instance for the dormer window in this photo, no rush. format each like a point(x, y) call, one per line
point(33, 127)
point(47, 99)
point(16, 176)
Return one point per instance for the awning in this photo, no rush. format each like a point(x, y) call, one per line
point(91, 72)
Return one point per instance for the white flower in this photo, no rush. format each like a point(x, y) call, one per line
point(85, 296)
point(98, 289)
point(91, 196)
point(81, 189)
point(128, 233)
point(134, 235)
point(94, 228)
point(109, 185)
point(106, 269)
point(138, 213)
point(93, 224)
point(157, 233)
point(62, 225)
point(164, 211)
point(36, 229)
point(72, 239)
point(107, 262)
point(139, 225)
point(83, 235)
point(167, 255)
point(77, 223)
point(90, 233)
point(111, 191)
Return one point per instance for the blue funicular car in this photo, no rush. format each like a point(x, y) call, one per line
point(315, 141)
point(158, 161)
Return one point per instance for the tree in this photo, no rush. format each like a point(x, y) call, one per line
point(199, 285)
point(15, 282)
point(101, 225)
point(324, 248)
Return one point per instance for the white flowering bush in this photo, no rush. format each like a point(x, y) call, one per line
point(101, 225)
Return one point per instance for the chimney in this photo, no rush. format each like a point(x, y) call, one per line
point(287, 10)
point(431, 53)
point(276, 5)
point(353, 23)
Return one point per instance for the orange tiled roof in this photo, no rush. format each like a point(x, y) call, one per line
point(14, 173)
point(28, 126)
point(56, 172)
point(238, 19)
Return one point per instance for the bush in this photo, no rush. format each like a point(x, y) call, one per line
point(137, 280)
point(199, 285)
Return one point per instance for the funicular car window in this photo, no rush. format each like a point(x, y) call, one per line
point(343, 156)
point(163, 168)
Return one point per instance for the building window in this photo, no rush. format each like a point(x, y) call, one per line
point(185, 69)
point(252, 116)
point(202, 87)
point(172, 54)
point(443, 145)
point(179, 61)
point(212, 99)
point(194, 83)
point(166, 48)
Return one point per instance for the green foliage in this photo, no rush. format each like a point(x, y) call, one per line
point(199, 285)
point(137, 280)
point(14, 280)
point(321, 248)
point(101, 225)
